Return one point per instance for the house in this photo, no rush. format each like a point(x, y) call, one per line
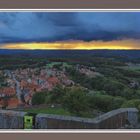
point(7, 92)
point(67, 82)
point(12, 103)
point(53, 80)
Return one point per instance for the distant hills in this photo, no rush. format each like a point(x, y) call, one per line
point(127, 54)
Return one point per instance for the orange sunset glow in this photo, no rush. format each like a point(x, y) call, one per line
point(76, 45)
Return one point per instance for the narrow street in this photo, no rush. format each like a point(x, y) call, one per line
point(18, 91)
point(17, 86)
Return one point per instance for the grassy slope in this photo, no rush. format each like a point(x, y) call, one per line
point(58, 111)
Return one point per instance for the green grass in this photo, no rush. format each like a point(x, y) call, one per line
point(57, 111)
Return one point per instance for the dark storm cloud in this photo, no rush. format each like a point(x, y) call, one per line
point(45, 27)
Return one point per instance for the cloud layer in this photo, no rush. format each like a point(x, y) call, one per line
point(59, 26)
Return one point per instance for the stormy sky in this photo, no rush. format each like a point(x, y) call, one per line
point(89, 28)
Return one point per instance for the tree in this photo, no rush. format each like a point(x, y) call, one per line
point(117, 102)
point(56, 95)
point(132, 103)
point(101, 102)
point(76, 101)
point(38, 98)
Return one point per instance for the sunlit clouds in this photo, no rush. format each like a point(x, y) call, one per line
point(77, 45)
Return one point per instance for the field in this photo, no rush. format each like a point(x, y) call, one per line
point(133, 67)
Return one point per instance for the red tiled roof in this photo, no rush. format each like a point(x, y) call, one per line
point(23, 83)
point(32, 86)
point(1, 102)
point(8, 91)
point(13, 102)
point(53, 80)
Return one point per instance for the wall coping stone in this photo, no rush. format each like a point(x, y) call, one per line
point(13, 113)
point(71, 118)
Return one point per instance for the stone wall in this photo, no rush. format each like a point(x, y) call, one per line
point(11, 119)
point(112, 120)
point(117, 118)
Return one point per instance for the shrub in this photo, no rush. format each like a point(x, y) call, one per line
point(132, 103)
point(56, 95)
point(101, 102)
point(105, 102)
point(76, 101)
point(38, 98)
point(117, 102)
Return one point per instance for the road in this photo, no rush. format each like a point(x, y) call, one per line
point(17, 86)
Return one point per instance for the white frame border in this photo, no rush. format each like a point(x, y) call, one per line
point(70, 130)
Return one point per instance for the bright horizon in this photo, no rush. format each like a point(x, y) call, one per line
point(130, 44)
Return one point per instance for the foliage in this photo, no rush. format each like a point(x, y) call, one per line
point(38, 98)
point(105, 102)
point(76, 101)
point(56, 95)
point(132, 103)
point(117, 102)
